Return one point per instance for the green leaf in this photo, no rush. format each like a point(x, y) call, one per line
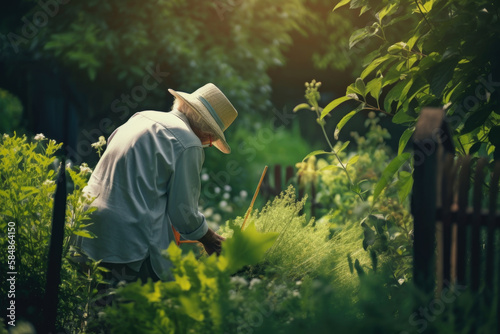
point(301, 106)
point(349, 261)
point(378, 221)
point(397, 47)
point(388, 174)
point(364, 9)
point(376, 63)
point(83, 233)
point(369, 236)
point(475, 120)
point(246, 247)
point(404, 185)
point(412, 41)
point(345, 119)
point(360, 34)
point(343, 147)
point(393, 95)
point(340, 4)
point(442, 73)
point(404, 93)
point(360, 85)
point(352, 91)
point(402, 117)
point(384, 11)
point(315, 153)
point(27, 191)
point(191, 305)
point(403, 140)
point(329, 167)
point(494, 136)
point(374, 88)
point(353, 160)
point(358, 267)
point(475, 148)
point(332, 105)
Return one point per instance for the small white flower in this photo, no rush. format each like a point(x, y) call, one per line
point(217, 190)
point(204, 177)
point(298, 283)
point(5, 136)
point(235, 296)
point(226, 196)
point(217, 217)
point(227, 188)
point(401, 281)
point(223, 204)
point(238, 280)
point(68, 165)
point(280, 289)
point(254, 282)
point(48, 183)
point(295, 293)
point(85, 169)
point(39, 136)
point(100, 143)
point(243, 194)
point(208, 212)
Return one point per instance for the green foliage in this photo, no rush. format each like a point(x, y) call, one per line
point(332, 31)
point(197, 299)
point(414, 68)
point(382, 308)
point(389, 173)
point(313, 96)
point(28, 171)
point(319, 305)
point(389, 240)
point(302, 246)
point(308, 248)
point(248, 250)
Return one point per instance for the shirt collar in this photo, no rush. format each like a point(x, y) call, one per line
point(181, 115)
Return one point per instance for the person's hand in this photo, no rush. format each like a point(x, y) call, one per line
point(211, 241)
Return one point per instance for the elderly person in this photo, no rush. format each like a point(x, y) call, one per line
point(148, 181)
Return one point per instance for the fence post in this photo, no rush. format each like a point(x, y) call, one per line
point(51, 297)
point(431, 133)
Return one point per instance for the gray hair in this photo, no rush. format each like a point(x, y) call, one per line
point(196, 121)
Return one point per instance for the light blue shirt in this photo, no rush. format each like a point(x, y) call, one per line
point(147, 180)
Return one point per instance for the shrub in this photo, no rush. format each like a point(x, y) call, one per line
point(28, 171)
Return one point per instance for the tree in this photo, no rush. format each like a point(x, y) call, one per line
point(434, 52)
point(123, 55)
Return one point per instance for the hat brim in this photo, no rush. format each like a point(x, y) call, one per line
point(198, 106)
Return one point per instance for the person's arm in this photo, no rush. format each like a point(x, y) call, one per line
point(183, 201)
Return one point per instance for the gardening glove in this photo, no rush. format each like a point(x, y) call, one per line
point(211, 241)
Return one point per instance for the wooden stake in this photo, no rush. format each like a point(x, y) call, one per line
point(254, 197)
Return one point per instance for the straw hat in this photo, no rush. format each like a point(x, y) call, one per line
point(215, 109)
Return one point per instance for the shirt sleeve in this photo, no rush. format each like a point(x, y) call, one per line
point(182, 207)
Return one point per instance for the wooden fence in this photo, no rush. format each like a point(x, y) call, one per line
point(456, 226)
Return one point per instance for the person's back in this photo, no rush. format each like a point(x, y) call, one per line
point(132, 185)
